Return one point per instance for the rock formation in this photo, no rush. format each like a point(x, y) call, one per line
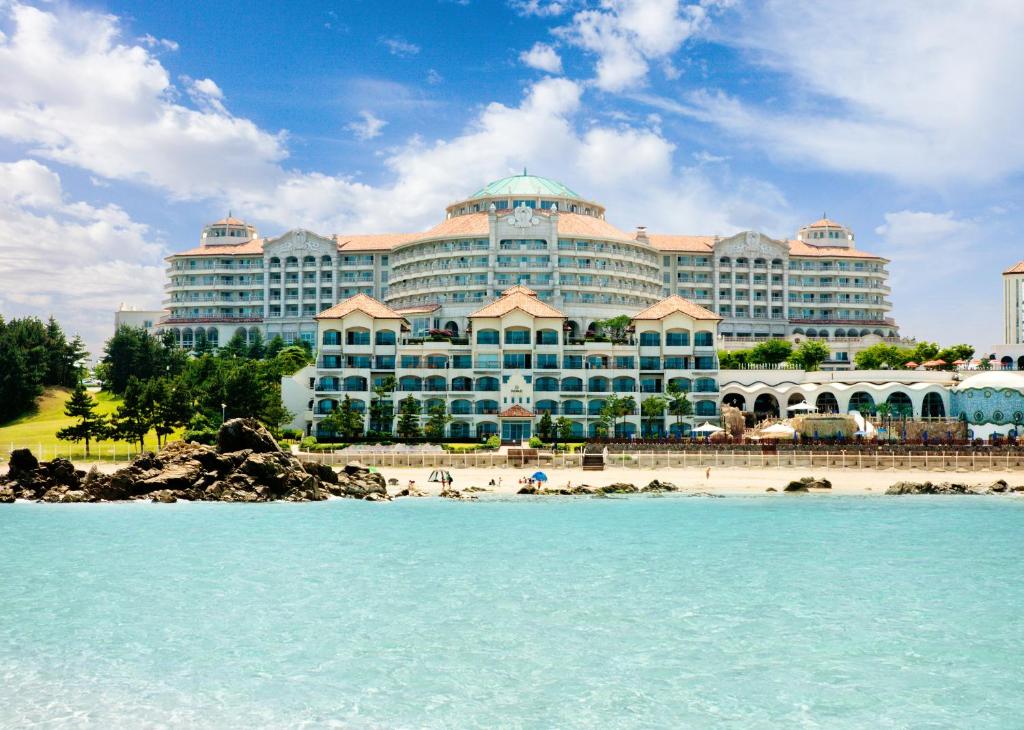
point(806, 483)
point(246, 466)
point(997, 487)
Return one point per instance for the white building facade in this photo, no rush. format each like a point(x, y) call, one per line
point(535, 232)
point(517, 359)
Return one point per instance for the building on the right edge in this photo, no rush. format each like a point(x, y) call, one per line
point(1009, 355)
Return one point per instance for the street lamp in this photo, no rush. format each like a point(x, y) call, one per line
point(223, 412)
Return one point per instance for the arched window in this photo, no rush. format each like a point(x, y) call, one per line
point(572, 408)
point(547, 337)
point(486, 429)
point(547, 406)
point(704, 408)
point(325, 260)
point(932, 406)
point(355, 383)
point(572, 385)
point(650, 339)
point(594, 407)
point(683, 384)
point(410, 383)
point(736, 400)
point(862, 402)
point(597, 384)
point(487, 337)
point(487, 383)
point(462, 384)
point(435, 384)
point(900, 404)
point(766, 406)
point(546, 385)
point(291, 261)
point(826, 403)
point(623, 384)
point(332, 337)
point(309, 261)
point(462, 407)
point(705, 385)
point(704, 339)
point(486, 406)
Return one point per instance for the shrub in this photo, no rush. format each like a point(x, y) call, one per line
point(292, 433)
point(535, 442)
point(493, 442)
point(308, 443)
point(207, 436)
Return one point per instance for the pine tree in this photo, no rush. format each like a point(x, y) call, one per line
point(351, 419)
point(545, 427)
point(91, 426)
point(563, 427)
point(132, 419)
point(257, 348)
point(437, 420)
point(409, 417)
point(169, 405)
point(275, 346)
point(235, 347)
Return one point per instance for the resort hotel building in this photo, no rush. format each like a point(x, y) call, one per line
point(555, 253)
point(535, 232)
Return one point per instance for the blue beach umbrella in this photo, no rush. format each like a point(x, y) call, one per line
point(539, 476)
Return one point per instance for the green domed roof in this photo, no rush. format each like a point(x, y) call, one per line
point(524, 185)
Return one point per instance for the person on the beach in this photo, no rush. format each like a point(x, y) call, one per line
point(707, 474)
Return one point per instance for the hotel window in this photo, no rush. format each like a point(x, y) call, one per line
point(410, 361)
point(547, 362)
point(650, 339)
point(677, 339)
point(650, 363)
point(385, 362)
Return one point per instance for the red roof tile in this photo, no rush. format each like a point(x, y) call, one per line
point(516, 411)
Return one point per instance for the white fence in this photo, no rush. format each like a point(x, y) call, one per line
point(924, 460)
point(107, 453)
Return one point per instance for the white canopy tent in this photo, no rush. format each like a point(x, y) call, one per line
point(706, 429)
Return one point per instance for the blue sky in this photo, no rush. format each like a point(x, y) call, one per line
point(125, 126)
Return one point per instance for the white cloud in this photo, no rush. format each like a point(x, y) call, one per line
point(626, 35)
point(398, 46)
point(935, 257)
point(923, 92)
point(543, 58)
point(151, 42)
point(539, 8)
point(71, 91)
point(70, 258)
point(367, 126)
point(433, 77)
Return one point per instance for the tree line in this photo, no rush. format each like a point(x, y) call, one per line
point(164, 388)
point(34, 356)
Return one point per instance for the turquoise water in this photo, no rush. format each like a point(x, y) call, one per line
point(781, 612)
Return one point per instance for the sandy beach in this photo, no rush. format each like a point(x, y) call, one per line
point(722, 480)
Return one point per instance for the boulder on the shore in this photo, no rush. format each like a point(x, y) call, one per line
point(657, 485)
point(807, 483)
point(619, 488)
point(256, 470)
point(239, 434)
point(997, 487)
point(771, 489)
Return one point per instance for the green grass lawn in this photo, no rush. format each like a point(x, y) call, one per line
point(38, 431)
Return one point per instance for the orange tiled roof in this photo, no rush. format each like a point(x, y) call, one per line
point(1017, 268)
point(519, 289)
point(372, 241)
point(471, 224)
point(574, 224)
point(676, 304)
point(666, 242)
point(229, 221)
point(518, 299)
point(361, 303)
point(251, 246)
point(516, 411)
point(825, 223)
point(799, 248)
